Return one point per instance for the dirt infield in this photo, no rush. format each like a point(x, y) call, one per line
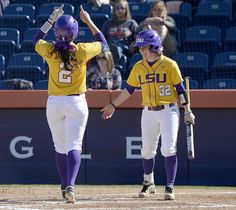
point(26, 197)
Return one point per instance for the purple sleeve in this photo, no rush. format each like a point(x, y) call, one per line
point(39, 35)
point(130, 89)
point(100, 37)
point(180, 88)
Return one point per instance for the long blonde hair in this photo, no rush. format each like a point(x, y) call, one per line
point(109, 57)
point(128, 14)
point(161, 5)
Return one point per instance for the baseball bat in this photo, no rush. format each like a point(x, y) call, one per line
point(189, 128)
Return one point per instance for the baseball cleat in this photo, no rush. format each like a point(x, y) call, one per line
point(70, 194)
point(147, 190)
point(169, 193)
point(63, 192)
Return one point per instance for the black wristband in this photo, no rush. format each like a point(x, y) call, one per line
point(113, 105)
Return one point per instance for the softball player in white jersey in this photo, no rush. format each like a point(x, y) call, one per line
point(67, 110)
point(161, 83)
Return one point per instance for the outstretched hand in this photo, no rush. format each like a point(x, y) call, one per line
point(107, 111)
point(84, 16)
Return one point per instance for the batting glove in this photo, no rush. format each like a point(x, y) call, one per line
point(52, 19)
point(56, 14)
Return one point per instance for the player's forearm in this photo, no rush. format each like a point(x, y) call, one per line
point(94, 29)
point(187, 109)
point(42, 32)
point(121, 98)
point(101, 38)
point(39, 35)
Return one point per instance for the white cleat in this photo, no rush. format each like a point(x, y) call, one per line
point(70, 194)
point(169, 193)
point(147, 190)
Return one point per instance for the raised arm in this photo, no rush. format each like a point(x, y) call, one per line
point(48, 24)
point(85, 17)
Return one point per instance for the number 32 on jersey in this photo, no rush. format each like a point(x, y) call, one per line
point(157, 78)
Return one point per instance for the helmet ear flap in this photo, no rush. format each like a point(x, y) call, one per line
point(153, 48)
point(156, 49)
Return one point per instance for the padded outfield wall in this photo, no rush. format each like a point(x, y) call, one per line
point(111, 150)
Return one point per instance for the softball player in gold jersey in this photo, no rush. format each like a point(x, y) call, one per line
point(161, 83)
point(67, 110)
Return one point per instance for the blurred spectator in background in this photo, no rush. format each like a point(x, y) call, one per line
point(3, 4)
point(104, 75)
point(98, 3)
point(120, 30)
point(163, 24)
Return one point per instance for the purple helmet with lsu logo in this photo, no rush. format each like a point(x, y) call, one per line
point(149, 37)
point(66, 28)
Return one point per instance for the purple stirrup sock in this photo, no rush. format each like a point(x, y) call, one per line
point(61, 164)
point(171, 169)
point(148, 165)
point(73, 163)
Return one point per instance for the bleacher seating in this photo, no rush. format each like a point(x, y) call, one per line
point(216, 13)
point(124, 84)
point(4, 85)
point(7, 48)
point(31, 73)
point(139, 17)
point(98, 19)
point(179, 38)
point(75, 3)
point(21, 22)
point(36, 3)
point(2, 66)
point(220, 84)
point(133, 59)
point(205, 39)
point(193, 64)
point(139, 8)
point(230, 39)
point(48, 8)
point(27, 59)
point(85, 35)
point(29, 66)
point(193, 84)
point(30, 33)
point(27, 44)
point(21, 9)
point(182, 18)
point(104, 9)
point(10, 34)
point(224, 66)
point(41, 85)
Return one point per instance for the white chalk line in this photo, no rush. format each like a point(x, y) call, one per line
point(110, 198)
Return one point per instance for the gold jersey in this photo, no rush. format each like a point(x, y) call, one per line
point(61, 81)
point(157, 81)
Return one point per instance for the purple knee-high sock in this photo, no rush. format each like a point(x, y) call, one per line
point(148, 165)
point(61, 164)
point(171, 169)
point(73, 164)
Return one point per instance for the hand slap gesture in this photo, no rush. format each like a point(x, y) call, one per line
point(107, 111)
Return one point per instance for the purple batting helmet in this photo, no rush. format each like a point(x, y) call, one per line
point(66, 28)
point(149, 37)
